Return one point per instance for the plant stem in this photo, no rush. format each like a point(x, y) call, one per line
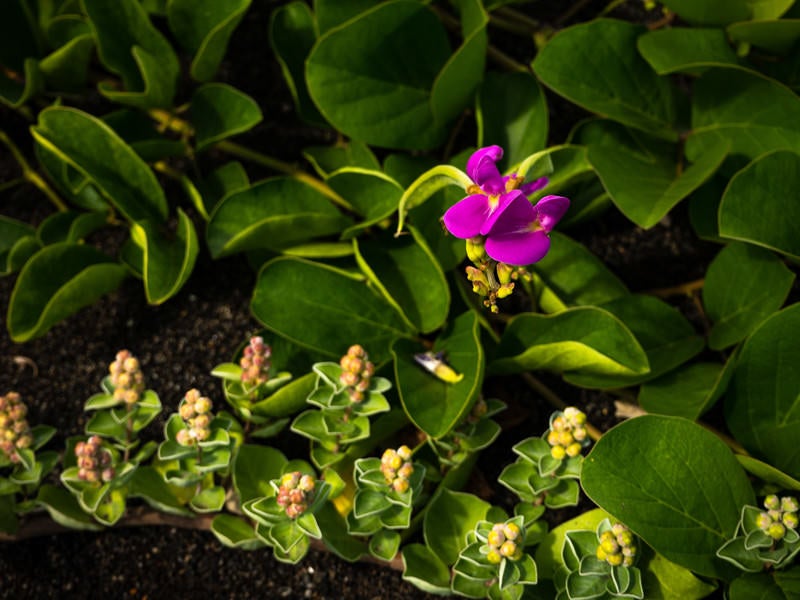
point(510, 25)
point(556, 402)
point(512, 14)
point(30, 175)
point(683, 289)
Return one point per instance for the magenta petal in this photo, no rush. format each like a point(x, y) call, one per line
point(518, 249)
point(529, 188)
point(549, 211)
point(503, 203)
point(482, 169)
point(466, 217)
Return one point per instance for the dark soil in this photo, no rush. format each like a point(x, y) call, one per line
point(178, 343)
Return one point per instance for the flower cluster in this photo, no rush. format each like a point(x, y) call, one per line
point(397, 468)
point(504, 231)
point(781, 514)
point(504, 541)
point(567, 434)
point(617, 546)
point(255, 362)
point(126, 377)
point(14, 429)
point(195, 410)
point(295, 493)
point(357, 372)
point(94, 461)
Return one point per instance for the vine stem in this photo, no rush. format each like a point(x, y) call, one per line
point(683, 289)
point(30, 175)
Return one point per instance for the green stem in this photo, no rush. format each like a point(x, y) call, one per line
point(512, 14)
point(683, 289)
point(30, 175)
point(611, 6)
point(573, 10)
point(7, 185)
point(510, 25)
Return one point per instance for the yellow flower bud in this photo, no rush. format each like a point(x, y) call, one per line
point(558, 452)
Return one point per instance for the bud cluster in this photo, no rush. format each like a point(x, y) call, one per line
point(195, 410)
point(14, 429)
point(94, 461)
point(295, 493)
point(781, 514)
point(397, 468)
point(567, 433)
point(617, 546)
point(357, 372)
point(255, 362)
point(491, 280)
point(504, 541)
point(126, 377)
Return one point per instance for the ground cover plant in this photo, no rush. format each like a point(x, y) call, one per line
point(415, 268)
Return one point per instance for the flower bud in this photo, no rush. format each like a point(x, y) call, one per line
point(789, 504)
point(789, 519)
point(476, 250)
point(511, 531)
point(772, 502)
point(494, 557)
point(400, 485)
point(558, 452)
point(776, 531)
point(496, 538)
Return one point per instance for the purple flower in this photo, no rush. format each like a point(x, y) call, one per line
point(490, 195)
point(518, 234)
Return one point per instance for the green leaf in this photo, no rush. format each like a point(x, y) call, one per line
point(273, 214)
point(664, 580)
point(512, 113)
point(572, 276)
point(328, 159)
point(407, 274)
point(433, 405)
point(683, 499)
point(95, 151)
point(384, 544)
point(762, 407)
point(370, 193)
point(450, 517)
point(15, 93)
point(219, 111)
point(253, 468)
point(288, 399)
point(147, 483)
point(548, 552)
point(722, 111)
point(372, 77)
point(56, 282)
point(641, 173)
point(749, 212)
point(686, 50)
point(227, 179)
point(426, 185)
point(596, 66)
point(768, 473)
point(774, 36)
point(688, 391)
point(667, 338)
point(66, 68)
point(777, 585)
point(205, 26)
point(235, 532)
point(168, 261)
point(423, 568)
point(11, 232)
point(64, 508)
point(209, 500)
point(130, 46)
point(344, 309)
point(585, 339)
point(722, 12)
point(744, 284)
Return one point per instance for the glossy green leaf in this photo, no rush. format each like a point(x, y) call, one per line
point(686, 392)
point(744, 284)
point(64, 509)
point(775, 36)
point(768, 473)
point(372, 77)
point(722, 111)
point(19, 254)
point(227, 179)
point(405, 271)
point(570, 166)
point(683, 499)
point(722, 12)
point(235, 532)
point(130, 46)
point(253, 469)
point(426, 185)
point(640, 172)
point(450, 517)
point(93, 149)
point(433, 405)
point(324, 309)
point(14, 92)
point(596, 66)
point(273, 214)
point(571, 275)
point(168, 259)
point(142, 134)
point(19, 38)
point(667, 338)
point(288, 399)
point(56, 282)
point(686, 50)
point(372, 194)
point(67, 67)
point(205, 27)
point(512, 113)
point(292, 33)
point(328, 159)
point(148, 484)
point(548, 552)
point(664, 580)
point(448, 249)
point(83, 194)
point(423, 568)
point(584, 339)
point(219, 111)
point(777, 585)
point(751, 210)
point(11, 231)
point(762, 407)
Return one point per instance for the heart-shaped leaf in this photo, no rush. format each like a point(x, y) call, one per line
point(219, 111)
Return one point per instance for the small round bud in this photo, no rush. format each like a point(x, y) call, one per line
point(558, 452)
point(614, 560)
point(511, 531)
point(574, 449)
point(496, 538)
point(789, 519)
point(789, 504)
point(306, 483)
point(404, 452)
point(772, 502)
point(184, 438)
point(400, 485)
point(763, 521)
point(494, 557)
point(776, 531)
